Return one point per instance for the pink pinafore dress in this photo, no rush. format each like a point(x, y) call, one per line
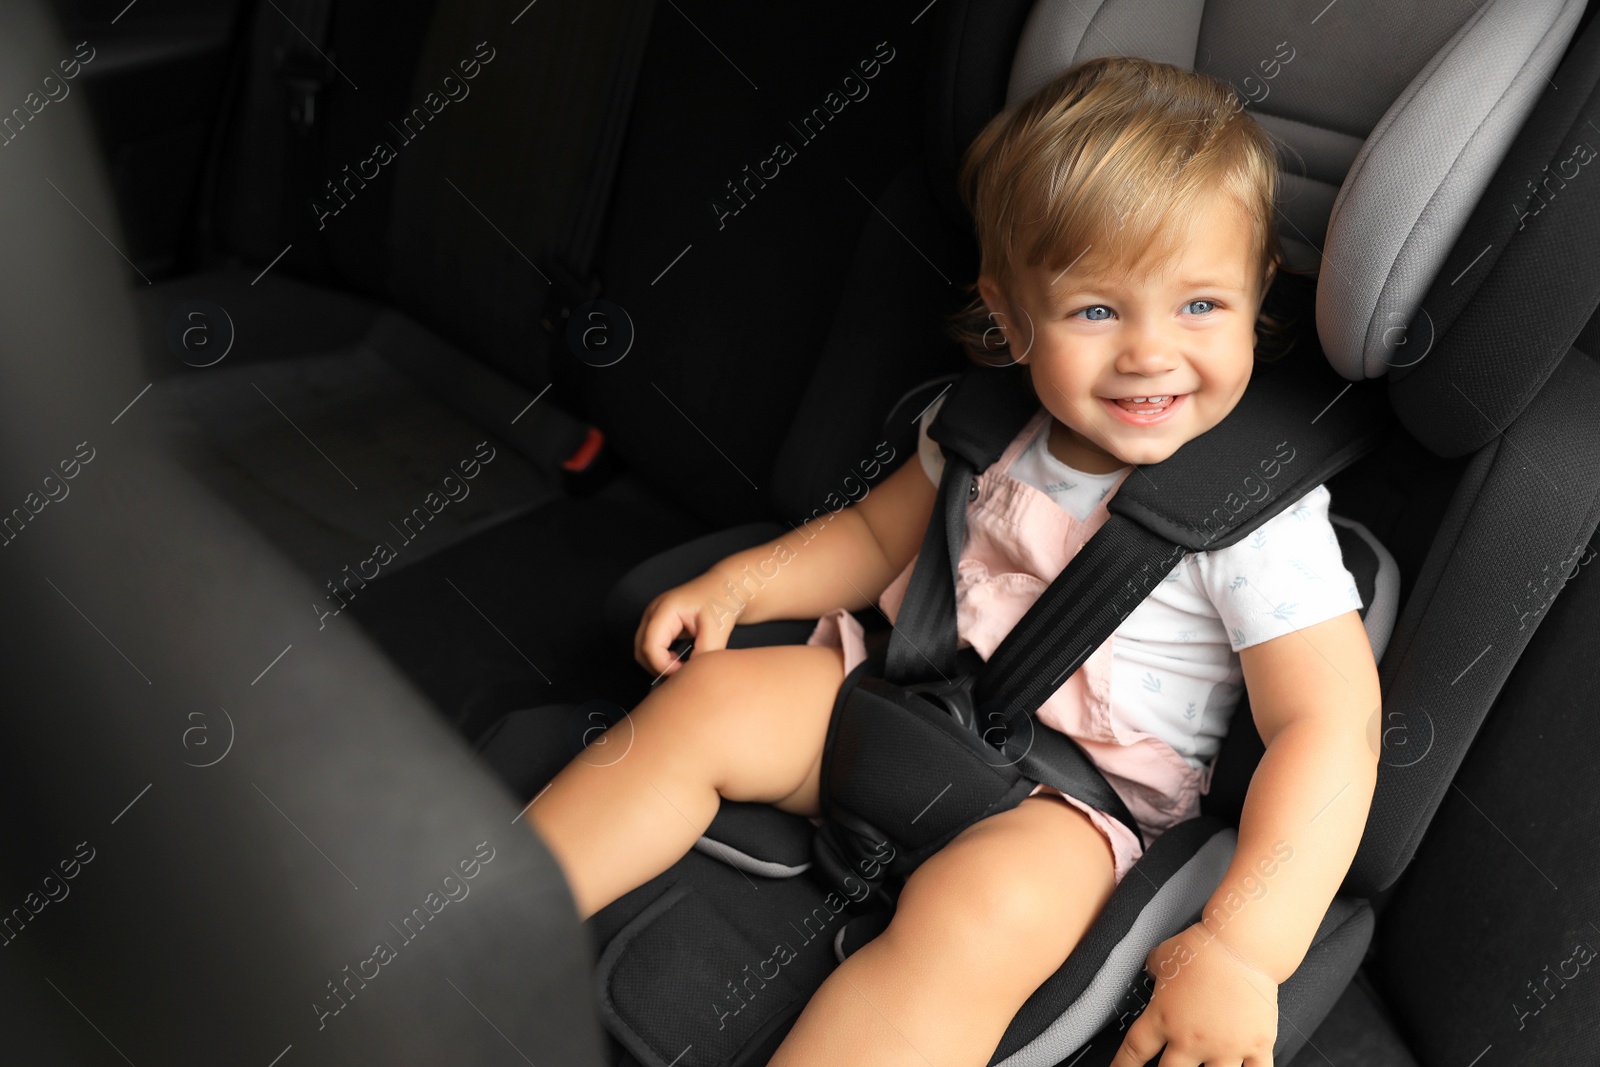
point(1018, 540)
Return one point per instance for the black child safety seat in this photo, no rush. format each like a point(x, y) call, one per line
point(1431, 195)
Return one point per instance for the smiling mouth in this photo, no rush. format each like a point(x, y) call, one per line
point(1145, 405)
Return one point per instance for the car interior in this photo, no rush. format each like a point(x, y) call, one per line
point(403, 352)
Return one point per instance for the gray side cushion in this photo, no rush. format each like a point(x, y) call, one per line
point(1422, 170)
point(759, 838)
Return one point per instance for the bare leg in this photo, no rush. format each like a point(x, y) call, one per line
point(746, 724)
point(979, 926)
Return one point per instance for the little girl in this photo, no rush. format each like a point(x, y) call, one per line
point(1125, 220)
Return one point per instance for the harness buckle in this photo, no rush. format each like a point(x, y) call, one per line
point(955, 699)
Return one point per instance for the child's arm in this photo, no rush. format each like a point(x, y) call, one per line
point(844, 559)
point(1315, 697)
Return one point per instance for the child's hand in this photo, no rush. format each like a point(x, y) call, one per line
point(698, 608)
point(1209, 1007)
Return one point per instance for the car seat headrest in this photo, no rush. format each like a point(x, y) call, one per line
point(1394, 117)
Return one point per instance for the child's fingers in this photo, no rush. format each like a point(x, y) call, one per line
point(1139, 1047)
point(677, 650)
point(657, 632)
point(709, 636)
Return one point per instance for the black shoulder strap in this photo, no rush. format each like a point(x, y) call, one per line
point(985, 409)
point(981, 413)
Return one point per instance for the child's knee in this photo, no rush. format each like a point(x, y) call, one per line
point(972, 903)
point(1020, 879)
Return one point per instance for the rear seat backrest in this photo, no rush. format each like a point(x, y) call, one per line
point(376, 44)
point(493, 181)
point(514, 140)
point(733, 304)
point(730, 333)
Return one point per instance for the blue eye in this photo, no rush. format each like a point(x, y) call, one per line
point(1102, 307)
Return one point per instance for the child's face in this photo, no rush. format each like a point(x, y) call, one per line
point(1186, 333)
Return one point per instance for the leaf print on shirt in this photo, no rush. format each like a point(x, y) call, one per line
point(1259, 540)
point(1151, 682)
point(1303, 512)
point(1188, 635)
point(1283, 611)
point(1060, 487)
point(1188, 711)
point(1238, 583)
point(1238, 636)
point(1305, 570)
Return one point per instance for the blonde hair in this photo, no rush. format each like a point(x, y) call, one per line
point(1110, 155)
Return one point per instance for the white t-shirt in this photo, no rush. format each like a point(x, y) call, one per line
point(1175, 672)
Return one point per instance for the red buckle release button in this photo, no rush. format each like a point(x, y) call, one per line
point(580, 459)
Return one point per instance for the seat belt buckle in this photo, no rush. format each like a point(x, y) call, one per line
point(590, 466)
point(304, 75)
point(303, 103)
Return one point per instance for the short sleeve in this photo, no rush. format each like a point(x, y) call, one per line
point(927, 448)
point(1287, 575)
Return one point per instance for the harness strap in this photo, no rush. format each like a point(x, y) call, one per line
point(1101, 586)
point(924, 639)
point(984, 411)
point(1211, 492)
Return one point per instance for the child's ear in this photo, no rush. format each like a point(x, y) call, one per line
point(1000, 314)
point(991, 294)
